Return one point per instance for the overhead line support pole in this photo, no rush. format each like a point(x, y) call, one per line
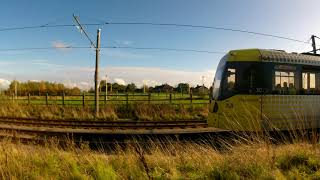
point(313, 38)
point(96, 75)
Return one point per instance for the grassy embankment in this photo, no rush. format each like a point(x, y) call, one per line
point(142, 111)
point(255, 160)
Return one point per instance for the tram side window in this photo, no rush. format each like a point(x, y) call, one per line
point(309, 83)
point(284, 82)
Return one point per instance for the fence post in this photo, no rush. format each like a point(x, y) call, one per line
point(127, 101)
point(149, 98)
point(190, 98)
point(63, 99)
point(105, 98)
point(28, 98)
point(47, 99)
point(170, 98)
point(83, 99)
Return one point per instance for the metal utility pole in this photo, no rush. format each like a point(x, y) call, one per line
point(313, 38)
point(97, 47)
point(96, 75)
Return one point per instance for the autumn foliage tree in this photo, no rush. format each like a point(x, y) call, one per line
point(40, 88)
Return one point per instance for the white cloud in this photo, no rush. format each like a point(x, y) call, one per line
point(123, 42)
point(119, 81)
point(154, 76)
point(60, 45)
point(8, 63)
point(82, 85)
point(70, 84)
point(83, 77)
point(4, 83)
point(44, 62)
point(148, 82)
point(34, 80)
point(117, 53)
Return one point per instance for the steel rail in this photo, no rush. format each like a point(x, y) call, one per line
point(121, 124)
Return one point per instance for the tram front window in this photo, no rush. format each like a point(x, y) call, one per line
point(230, 83)
point(231, 79)
point(216, 90)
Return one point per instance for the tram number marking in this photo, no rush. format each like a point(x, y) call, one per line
point(260, 90)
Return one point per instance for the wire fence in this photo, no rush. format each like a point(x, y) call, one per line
point(112, 99)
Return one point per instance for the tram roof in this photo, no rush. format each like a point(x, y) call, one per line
point(278, 56)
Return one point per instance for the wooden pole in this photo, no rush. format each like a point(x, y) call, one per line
point(83, 99)
point(47, 99)
point(314, 48)
point(63, 99)
point(127, 101)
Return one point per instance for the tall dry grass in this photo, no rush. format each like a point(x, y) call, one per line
point(255, 160)
point(144, 112)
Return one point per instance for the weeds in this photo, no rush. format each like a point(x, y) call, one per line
point(143, 112)
point(257, 160)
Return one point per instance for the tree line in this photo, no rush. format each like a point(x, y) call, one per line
point(184, 88)
point(40, 88)
point(53, 88)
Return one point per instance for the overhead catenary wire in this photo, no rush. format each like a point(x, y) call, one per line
point(44, 48)
point(114, 47)
point(163, 49)
point(156, 24)
point(207, 27)
point(82, 30)
point(48, 26)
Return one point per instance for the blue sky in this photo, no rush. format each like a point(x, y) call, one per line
point(291, 18)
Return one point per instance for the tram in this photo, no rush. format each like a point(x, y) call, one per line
point(257, 89)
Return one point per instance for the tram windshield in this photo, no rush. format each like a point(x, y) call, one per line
point(239, 78)
point(218, 78)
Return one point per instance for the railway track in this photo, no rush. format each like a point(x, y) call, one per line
point(100, 125)
point(106, 134)
point(97, 130)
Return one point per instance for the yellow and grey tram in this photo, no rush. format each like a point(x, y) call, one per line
point(256, 89)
